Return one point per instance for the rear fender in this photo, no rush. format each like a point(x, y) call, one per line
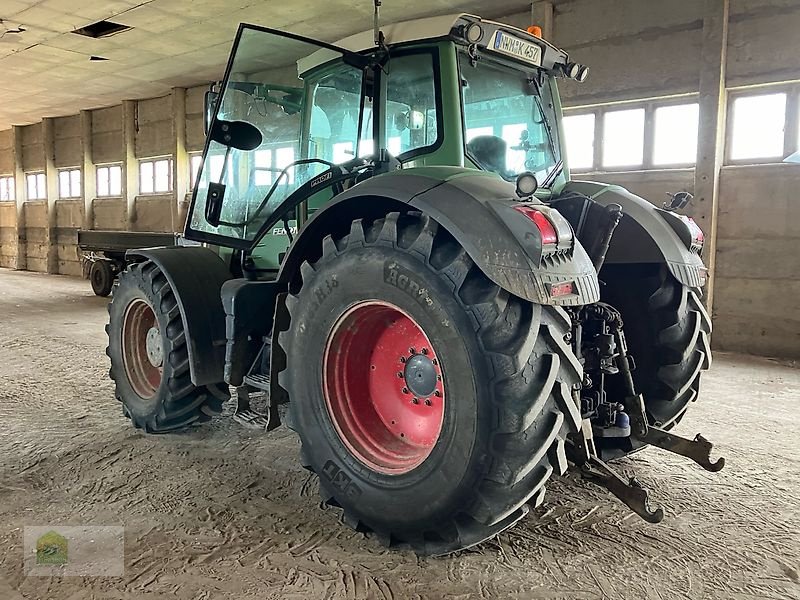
point(477, 210)
point(196, 275)
point(644, 235)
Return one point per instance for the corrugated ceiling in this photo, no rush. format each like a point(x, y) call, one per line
point(46, 70)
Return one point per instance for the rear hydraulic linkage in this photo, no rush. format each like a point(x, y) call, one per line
point(698, 449)
point(582, 452)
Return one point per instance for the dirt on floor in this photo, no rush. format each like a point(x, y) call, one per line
point(223, 512)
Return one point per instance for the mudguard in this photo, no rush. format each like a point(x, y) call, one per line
point(645, 234)
point(196, 275)
point(477, 209)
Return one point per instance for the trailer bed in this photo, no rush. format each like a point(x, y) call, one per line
point(119, 242)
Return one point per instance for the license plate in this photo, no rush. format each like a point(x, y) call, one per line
point(513, 46)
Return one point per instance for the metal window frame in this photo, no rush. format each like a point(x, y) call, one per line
point(35, 174)
point(97, 175)
point(154, 160)
point(791, 126)
point(80, 186)
point(650, 105)
point(580, 112)
point(11, 186)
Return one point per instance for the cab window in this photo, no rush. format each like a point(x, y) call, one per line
point(508, 119)
point(411, 111)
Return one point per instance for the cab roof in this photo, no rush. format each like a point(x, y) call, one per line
point(430, 28)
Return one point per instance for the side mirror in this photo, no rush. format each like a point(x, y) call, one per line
point(240, 135)
point(678, 201)
point(209, 106)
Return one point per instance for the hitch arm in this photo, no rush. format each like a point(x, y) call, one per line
point(698, 449)
point(581, 452)
point(631, 493)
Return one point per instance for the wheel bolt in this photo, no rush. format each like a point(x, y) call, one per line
point(437, 393)
point(399, 374)
point(438, 378)
point(435, 362)
point(402, 359)
point(425, 351)
point(412, 351)
point(405, 390)
point(415, 401)
point(427, 402)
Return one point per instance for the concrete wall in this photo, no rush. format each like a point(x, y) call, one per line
point(154, 136)
point(195, 106)
point(758, 261)
point(8, 210)
point(36, 246)
point(8, 234)
point(32, 148)
point(107, 143)
point(763, 41)
point(639, 50)
point(69, 218)
point(67, 141)
point(6, 156)
point(634, 49)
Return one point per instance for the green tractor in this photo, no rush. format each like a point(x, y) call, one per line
point(391, 245)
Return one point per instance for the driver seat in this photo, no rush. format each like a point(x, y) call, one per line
point(490, 153)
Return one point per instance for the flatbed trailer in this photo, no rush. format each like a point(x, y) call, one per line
point(102, 253)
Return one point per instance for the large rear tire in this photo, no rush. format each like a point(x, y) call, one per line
point(668, 332)
point(458, 465)
point(149, 358)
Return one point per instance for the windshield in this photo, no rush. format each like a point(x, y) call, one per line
point(509, 119)
point(263, 88)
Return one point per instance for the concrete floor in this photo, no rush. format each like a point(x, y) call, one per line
point(225, 513)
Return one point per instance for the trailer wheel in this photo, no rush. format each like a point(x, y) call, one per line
point(101, 274)
point(432, 404)
point(668, 332)
point(149, 358)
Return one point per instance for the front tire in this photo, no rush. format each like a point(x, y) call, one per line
point(500, 412)
point(149, 358)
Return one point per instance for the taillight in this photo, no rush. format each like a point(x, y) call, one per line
point(698, 238)
point(546, 229)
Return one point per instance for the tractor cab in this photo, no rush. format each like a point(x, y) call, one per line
point(298, 121)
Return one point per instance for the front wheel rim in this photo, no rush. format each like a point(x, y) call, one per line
point(383, 387)
point(142, 351)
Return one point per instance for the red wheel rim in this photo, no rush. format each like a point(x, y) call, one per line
point(383, 387)
point(142, 353)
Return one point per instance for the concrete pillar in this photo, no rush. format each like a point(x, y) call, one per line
point(180, 160)
point(19, 184)
point(130, 166)
point(711, 138)
point(89, 178)
point(51, 173)
point(542, 15)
